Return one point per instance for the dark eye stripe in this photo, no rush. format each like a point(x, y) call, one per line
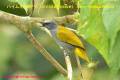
point(44, 24)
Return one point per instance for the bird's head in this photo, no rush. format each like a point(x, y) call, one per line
point(50, 24)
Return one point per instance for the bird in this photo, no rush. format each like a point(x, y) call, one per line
point(66, 38)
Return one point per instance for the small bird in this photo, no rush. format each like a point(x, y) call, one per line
point(66, 38)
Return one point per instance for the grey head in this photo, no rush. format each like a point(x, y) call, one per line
point(50, 24)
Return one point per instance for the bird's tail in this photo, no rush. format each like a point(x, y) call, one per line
point(82, 54)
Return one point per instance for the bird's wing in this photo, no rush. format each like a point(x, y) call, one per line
point(68, 36)
point(81, 53)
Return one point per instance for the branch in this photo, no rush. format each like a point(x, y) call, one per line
point(25, 24)
point(28, 23)
point(68, 63)
point(45, 53)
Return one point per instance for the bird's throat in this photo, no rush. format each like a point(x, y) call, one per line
point(54, 32)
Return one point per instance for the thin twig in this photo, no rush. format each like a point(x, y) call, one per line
point(68, 63)
point(25, 24)
point(32, 9)
point(45, 53)
point(79, 67)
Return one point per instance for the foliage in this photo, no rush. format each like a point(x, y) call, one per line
point(24, 3)
point(99, 27)
point(57, 5)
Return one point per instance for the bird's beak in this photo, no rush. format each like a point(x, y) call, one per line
point(43, 24)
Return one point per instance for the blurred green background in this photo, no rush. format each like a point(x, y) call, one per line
point(18, 55)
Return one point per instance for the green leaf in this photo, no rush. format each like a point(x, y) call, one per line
point(111, 20)
point(85, 12)
point(92, 29)
point(57, 5)
point(112, 23)
point(100, 28)
point(94, 32)
point(115, 55)
point(24, 3)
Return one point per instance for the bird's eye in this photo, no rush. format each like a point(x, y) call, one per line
point(45, 24)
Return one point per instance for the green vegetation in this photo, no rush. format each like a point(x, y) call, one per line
point(97, 22)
